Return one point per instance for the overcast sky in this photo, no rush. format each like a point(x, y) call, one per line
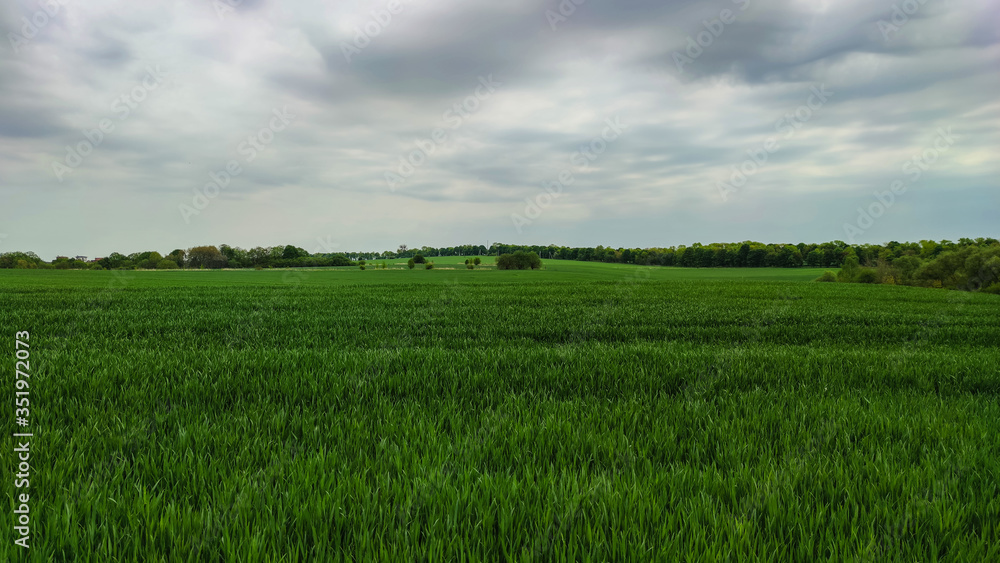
point(651, 112)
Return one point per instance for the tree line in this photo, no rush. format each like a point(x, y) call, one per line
point(972, 267)
point(747, 254)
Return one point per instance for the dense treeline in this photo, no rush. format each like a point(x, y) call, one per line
point(968, 267)
point(199, 257)
point(747, 254)
point(893, 262)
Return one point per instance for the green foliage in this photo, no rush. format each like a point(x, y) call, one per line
point(828, 276)
point(971, 267)
point(19, 260)
point(410, 263)
point(205, 257)
point(849, 272)
point(866, 275)
point(429, 266)
point(470, 266)
point(166, 265)
point(519, 260)
point(477, 261)
point(419, 259)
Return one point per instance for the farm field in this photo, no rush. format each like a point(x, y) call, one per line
point(583, 412)
point(449, 269)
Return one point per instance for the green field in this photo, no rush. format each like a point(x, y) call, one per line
point(448, 269)
point(582, 412)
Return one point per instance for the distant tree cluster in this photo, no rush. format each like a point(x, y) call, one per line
point(747, 254)
point(21, 260)
point(199, 257)
point(969, 267)
point(519, 260)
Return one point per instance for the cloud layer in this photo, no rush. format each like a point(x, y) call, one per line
point(445, 122)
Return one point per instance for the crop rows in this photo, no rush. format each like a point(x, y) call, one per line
point(560, 421)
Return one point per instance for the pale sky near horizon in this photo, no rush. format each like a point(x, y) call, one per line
point(669, 123)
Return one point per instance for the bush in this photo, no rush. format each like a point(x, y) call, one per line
point(828, 276)
point(520, 260)
point(867, 275)
point(410, 263)
point(849, 272)
point(362, 262)
point(477, 261)
point(466, 261)
point(166, 265)
point(419, 259)
point(470, 266)
point(429, 266)
point(362, 266)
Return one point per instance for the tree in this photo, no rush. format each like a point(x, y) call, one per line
point(851, 268)
point(411, 263)
point(477, 261)
point(206, 257)
point(519, 260)
point(166, 265)
point(419, 259)
point(291, 253)
point(152, 261)
point(177, 256)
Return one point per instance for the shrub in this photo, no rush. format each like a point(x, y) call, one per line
point(828, 276)
point(166, 265)
point(477, 261)
point(470, 266)
point(410, 263)
point(362, 262)
point(419, 259)
point(849, 272)
point(429, 266)
point(362, 266)
point(867, 275)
